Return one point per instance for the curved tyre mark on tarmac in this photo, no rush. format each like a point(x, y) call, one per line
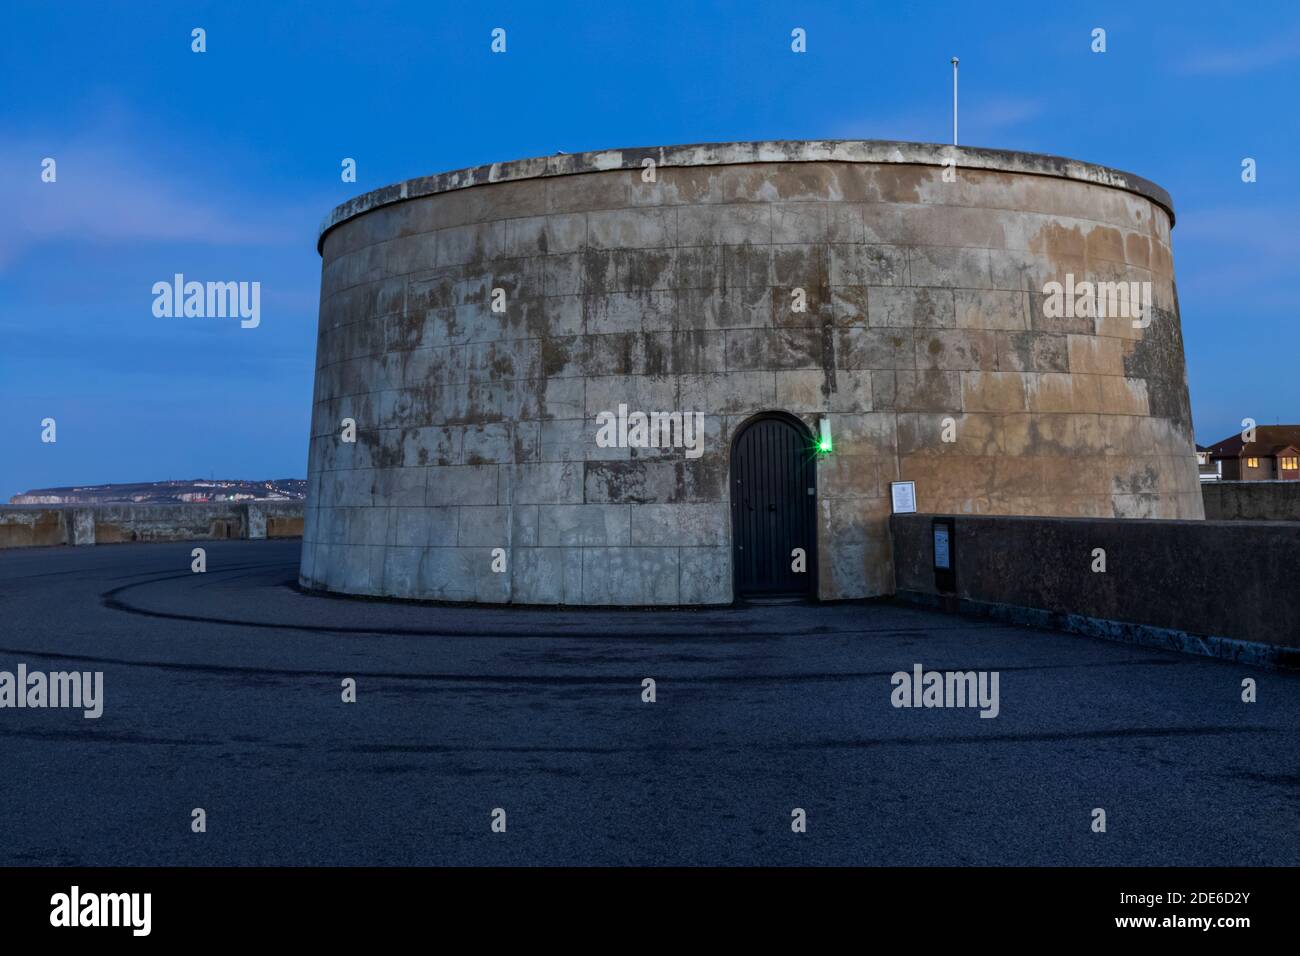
point(542, 679)
point(114, 601)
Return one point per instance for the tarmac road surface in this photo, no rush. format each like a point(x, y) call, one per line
point(222, 691)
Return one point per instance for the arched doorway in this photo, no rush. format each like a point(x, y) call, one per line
point(773, 508)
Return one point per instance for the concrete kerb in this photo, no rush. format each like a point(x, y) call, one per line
point(1250, 653)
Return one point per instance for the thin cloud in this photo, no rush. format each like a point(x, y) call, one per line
point(905, 127)
point(1262, 229)
point(110, 193)
point(979, 118)
point(1262, 56)
point(1237, 257)
point(1003, 113)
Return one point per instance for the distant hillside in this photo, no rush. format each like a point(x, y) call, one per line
point(195, 490)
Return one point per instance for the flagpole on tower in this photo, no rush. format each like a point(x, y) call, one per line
point(954, 101)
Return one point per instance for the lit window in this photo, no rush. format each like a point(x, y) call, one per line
point(1290, 464)
point(1252, 462)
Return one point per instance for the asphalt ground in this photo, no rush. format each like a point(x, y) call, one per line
point(222, 691)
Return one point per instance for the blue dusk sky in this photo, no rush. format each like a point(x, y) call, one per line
point(221, 165)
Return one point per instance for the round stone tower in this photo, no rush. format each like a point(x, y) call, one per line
point(682, 375)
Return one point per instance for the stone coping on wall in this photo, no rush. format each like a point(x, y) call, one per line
point(728, 154)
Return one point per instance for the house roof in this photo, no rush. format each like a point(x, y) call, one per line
point(1269, 439)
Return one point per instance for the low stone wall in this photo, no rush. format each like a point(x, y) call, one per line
point(1224, 588)
point(1251, 500)
point(25, 526)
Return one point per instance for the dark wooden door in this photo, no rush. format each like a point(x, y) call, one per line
point(773, 508)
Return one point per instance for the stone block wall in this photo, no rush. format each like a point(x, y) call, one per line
point(1251, 500)
point(1205, 581)
point(33, 526)
point(476, 429)
point(24, 526)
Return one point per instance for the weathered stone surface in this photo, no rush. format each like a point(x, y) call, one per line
point(704, 575)
point(1251, 500)
point(548, 575)
point(1215, 579)
point(585, 525)
point(47, 525)
point(689, 525)
point(476, 324)
point(910, 308)
point(630, 576)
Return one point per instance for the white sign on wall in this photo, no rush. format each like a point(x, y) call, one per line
point(904, 495)
point(942, 553)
